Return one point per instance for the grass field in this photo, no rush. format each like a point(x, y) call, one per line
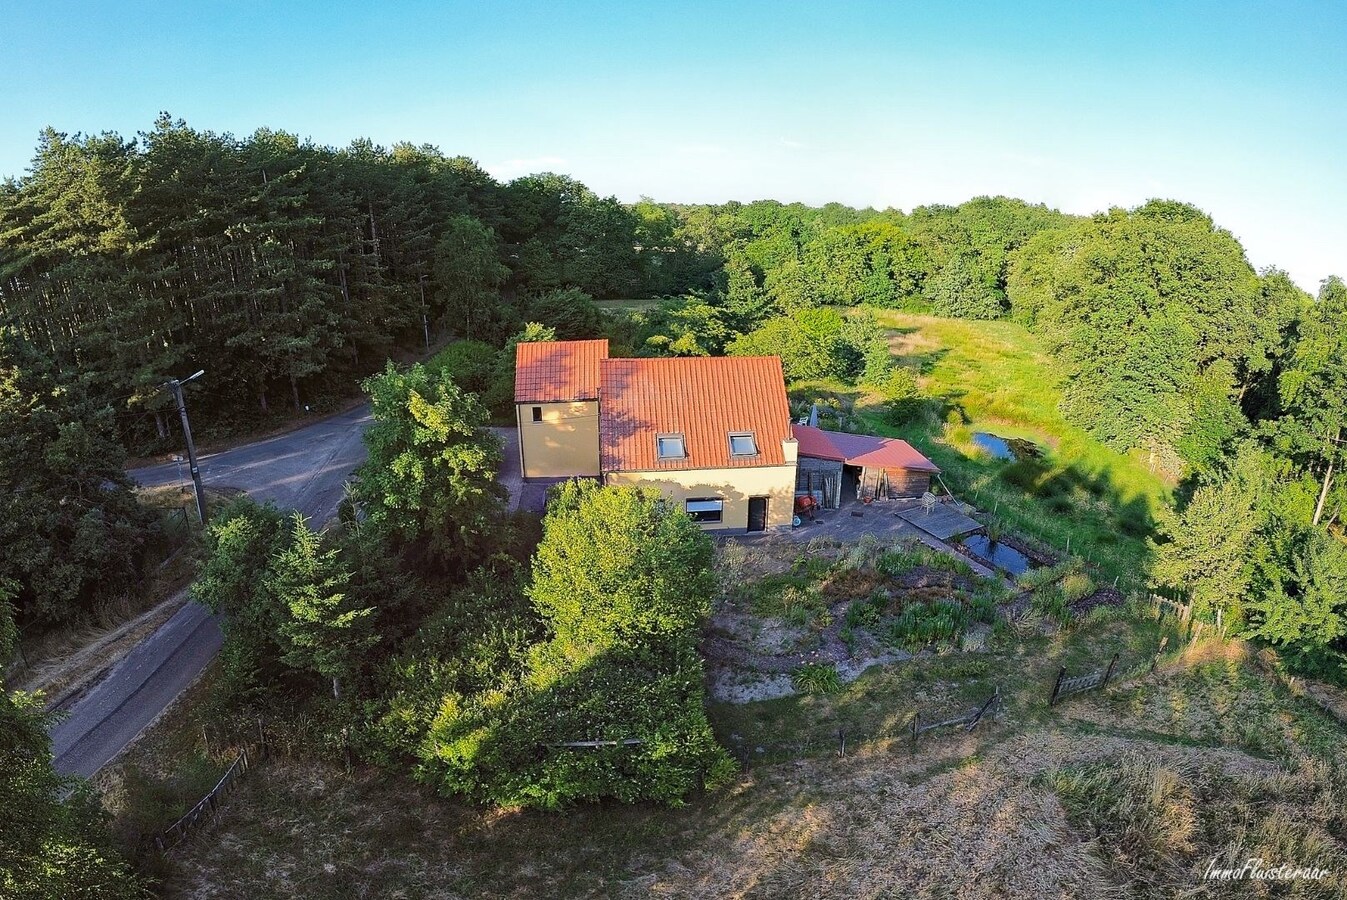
point(626, 304)
point(996, 377)
point(1129, 792)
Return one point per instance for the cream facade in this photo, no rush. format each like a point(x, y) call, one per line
point(737, 490)
point(558, 440)
point(732, 488)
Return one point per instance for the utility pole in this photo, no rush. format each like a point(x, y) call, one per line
point(175, 385)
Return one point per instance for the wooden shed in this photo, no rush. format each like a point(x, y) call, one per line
point(835, 467)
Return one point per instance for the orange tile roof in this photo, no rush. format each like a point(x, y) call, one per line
point(705, 399)
point(860, 449)
point(557, 371)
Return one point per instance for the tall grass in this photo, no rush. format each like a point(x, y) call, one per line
point(995, 376)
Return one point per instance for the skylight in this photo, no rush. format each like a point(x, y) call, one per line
point(670, 446)
point(742, 444)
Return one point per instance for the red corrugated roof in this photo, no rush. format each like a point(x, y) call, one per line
point(557, 371)
point(860, 449)
point(705, 399)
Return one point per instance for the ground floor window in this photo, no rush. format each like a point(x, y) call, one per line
point(705, 509)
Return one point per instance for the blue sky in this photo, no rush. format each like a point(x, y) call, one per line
point(1240, 108)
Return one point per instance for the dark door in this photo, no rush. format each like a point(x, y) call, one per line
point(757, 513)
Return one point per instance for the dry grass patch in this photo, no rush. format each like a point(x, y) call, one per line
point(963, 820)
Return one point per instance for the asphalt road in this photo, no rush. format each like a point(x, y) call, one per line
point(304, 470)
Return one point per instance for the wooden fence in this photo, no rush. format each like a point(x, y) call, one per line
point(1078, 684)
point(968, 720)
point(206, 808)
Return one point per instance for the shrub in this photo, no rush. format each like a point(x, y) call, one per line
point(622, 581)
point(983, 607)
point(922, 624)
point(785, 596)
point(817, 678)
point(1028, 475)
point(472, 364)
point(902, 395)
point(1050, 602)
point(865, 613)
point(946, 562)
point(569, 311)
point(899, 561)
point(1077, 586)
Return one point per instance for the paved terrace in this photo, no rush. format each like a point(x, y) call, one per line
point(886, 520)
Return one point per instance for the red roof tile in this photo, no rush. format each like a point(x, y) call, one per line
point(705, 399)
point(860, 449)
point(558, 371)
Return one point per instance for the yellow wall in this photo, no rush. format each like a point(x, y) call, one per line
point(733, 486)
point(565, 442)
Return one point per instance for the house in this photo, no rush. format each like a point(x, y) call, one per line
point(556, 396)
point(835, 467)
point(713, 433)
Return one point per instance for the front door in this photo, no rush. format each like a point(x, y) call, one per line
point(757, 513)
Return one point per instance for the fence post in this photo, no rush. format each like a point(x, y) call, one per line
point(1057, 686)
point(916, 728)
point(1155, 660)
point(1108, 673)
point(841, 743)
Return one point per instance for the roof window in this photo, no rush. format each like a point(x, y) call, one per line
point(670, 446)
point(743, 444)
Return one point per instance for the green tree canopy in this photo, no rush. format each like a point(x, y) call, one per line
point(70, 527)
point(622, 580)
point(431, 473)
point(1314, 394)
point(1152, 314)
point(50, 847)
point(324, 630)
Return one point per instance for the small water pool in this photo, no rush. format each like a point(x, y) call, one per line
point(1002, 556)
point(1006, 448)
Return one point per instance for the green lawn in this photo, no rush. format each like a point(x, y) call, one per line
point(627, 303)
point(999, 379)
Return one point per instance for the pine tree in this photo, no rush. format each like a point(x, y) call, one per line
point(322, 631)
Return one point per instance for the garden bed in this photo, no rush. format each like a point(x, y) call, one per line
point(832, 611)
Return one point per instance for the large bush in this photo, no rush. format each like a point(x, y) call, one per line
point(622, 581)
point(810, 342)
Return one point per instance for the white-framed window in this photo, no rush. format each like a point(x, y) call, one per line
point(537, 413)
point(742, 443)
point(705, 509)
point(670, 446)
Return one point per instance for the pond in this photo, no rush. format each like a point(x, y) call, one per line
point(1006, 448)
point(994, 553)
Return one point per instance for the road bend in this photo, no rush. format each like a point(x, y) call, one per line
point(304, 470)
